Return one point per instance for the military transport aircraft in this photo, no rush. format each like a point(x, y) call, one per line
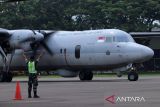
point(78, 52)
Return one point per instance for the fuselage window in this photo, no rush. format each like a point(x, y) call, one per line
point(77, 51)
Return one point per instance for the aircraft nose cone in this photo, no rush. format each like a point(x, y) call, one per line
point(147, 53)
point(139, 53)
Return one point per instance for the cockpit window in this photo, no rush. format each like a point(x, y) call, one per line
point(121, 39)
point(109, 39)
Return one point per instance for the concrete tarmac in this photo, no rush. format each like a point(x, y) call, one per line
point(60, 92)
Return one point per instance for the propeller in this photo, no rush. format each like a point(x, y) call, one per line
point(35, 45)
point(35, 38)
point(46, 36)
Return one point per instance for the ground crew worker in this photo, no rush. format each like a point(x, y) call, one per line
point(33, 75)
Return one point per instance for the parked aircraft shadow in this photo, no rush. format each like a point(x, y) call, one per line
point(124, 80)
point(97, 80)
point(78, 81)
point(108, 80)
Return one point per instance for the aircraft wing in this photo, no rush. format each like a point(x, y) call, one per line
point(3, 1)
point(4, 35)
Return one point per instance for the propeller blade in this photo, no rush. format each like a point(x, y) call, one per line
point(47, 48)
point(35, 38)
point(38, 39)
point(46, 33)
point(46, 36)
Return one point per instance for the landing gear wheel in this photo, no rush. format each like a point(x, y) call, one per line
point(82, 76)
point(3, 76)
point(132, 76)
point(85, 75)
point(90, 75)
point(6, 77)
point(9, 77)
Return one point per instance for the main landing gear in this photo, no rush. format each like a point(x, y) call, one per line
point(5, 74)
point(85, 75)
point(6, 77)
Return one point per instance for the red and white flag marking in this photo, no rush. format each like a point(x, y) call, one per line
point(101, 39)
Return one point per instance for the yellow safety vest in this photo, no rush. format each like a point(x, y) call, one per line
point(31, 67)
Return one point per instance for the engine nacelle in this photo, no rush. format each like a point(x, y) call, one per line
point(21, 39)
point(66, 73)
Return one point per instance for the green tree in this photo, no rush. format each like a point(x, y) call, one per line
point(128, 15)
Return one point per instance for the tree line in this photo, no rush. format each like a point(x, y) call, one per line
point(128, 15)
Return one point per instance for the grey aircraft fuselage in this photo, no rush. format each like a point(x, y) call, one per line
point(105, 49)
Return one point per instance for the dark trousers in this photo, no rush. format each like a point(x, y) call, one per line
point(32, 82)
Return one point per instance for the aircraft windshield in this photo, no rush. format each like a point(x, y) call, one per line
point(120, 36)
point(109, 39)
point(124, 39)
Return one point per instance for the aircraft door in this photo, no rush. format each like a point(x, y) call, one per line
point(73, 55)
point(79, 55)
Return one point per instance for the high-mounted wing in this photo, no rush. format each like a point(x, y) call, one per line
point(3, 1)
point(4, 35)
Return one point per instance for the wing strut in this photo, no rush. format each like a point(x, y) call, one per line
point(6, 75)
point(3, 53)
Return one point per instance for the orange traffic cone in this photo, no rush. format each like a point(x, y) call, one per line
point(18, 92)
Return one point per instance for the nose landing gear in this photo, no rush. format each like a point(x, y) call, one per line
point(133, 76)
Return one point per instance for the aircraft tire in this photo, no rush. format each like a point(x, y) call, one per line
point(85, 75)
point(132, 76)
point(90, 75)
point(3, 76)
point(6, 77)
point(9, 77)
point(82, 76)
